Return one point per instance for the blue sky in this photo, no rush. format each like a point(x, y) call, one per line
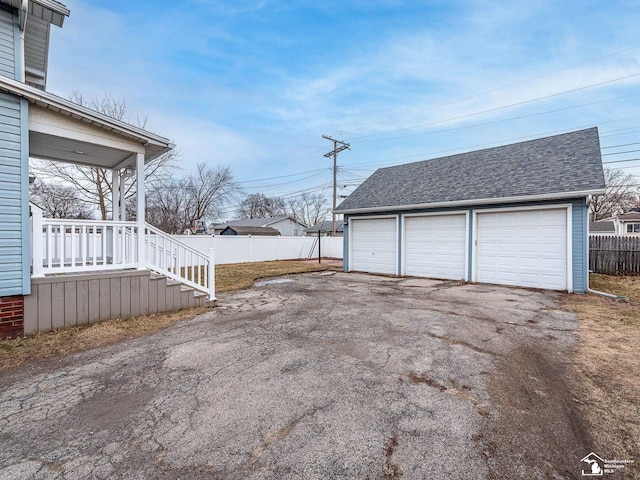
point(254, 84)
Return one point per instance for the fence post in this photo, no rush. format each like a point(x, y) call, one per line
point(37, 246)
point(212, 276)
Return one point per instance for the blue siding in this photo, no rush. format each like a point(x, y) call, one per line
point(7, 43)
point(14, 197)
point(580, 245)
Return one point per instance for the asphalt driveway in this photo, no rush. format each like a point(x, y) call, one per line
point(327, 375)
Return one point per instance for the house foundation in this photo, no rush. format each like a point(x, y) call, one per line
point(11, 317)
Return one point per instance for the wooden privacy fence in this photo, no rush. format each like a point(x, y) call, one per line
point(614, 255)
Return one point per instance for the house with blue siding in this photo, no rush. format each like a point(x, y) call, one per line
point(110, 261)
point(510, 215)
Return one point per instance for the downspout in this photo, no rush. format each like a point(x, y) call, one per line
point(22, 20)
point(590, 290)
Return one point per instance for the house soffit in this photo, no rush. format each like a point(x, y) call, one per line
point(53, 136)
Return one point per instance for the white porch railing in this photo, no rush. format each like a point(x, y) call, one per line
point(67, 246)
point(179, 261)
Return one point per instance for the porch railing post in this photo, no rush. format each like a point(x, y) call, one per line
point(140, 211)
point(37, 243)
point(212, 276)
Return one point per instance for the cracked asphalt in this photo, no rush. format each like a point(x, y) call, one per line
point(329, 375)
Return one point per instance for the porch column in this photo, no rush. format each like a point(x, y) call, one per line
point(115, 195)
point(140, 213)
point(123, 194)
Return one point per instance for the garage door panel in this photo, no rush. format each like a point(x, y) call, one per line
point(526, 248)
point(434, 246)
point(373, 245)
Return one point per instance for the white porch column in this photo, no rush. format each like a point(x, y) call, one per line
point(36, 242)
point(123, 195)
point(115, 195)
point(140, 212)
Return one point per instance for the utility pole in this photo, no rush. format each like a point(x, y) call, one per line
point(338, 146)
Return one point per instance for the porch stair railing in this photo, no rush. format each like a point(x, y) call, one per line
point(70, 246)
point(179, 261)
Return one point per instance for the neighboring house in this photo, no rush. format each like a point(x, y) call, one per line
point(623, 224)
point(35, 294)
point(287, 226)
point(602, 227)
point(512, 215)
point(628, 223)
point(326, 229)
point(257, 231)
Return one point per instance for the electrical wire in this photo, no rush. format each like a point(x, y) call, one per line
point(516, 104)
point(480, 94)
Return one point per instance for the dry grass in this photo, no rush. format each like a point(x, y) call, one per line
point(608, 363)
point(41, 346)
point(71, 340)
point(243, 275)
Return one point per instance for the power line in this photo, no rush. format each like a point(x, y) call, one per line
point(493, 122)
point(618, 146)
point(620, 153)
point(479, 94)
point(524, 102)
point(283, 176)
point(622, 161)
point(338, 146)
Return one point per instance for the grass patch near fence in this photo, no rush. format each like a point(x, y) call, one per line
point(242, 275)
point(56, 344)
point(608, 365)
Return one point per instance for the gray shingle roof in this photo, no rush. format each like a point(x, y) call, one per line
point(258, 231)
point(629, 216)
point(326, 226)
point(602, 226)
point(251, 222)
point(560, 164)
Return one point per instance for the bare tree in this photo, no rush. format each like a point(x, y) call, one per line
point(197, 199)
point(309, 208)
point(166, 206)
point(58, 201)
point(93, 184)
point(258, 205)
point(621, 195)
point(208, 191)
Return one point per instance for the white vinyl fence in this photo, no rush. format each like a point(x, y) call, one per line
point(248, 248)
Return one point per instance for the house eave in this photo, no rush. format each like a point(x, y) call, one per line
point(154, 144)
point(48, 10)
point(476, 201)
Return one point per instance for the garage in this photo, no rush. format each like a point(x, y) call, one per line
point(514, 214)
point(523, 247)
point(435, 246)
point(374, 245)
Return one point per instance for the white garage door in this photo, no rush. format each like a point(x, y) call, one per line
point(435, 246)
point(373, 245)
point(525, 248)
